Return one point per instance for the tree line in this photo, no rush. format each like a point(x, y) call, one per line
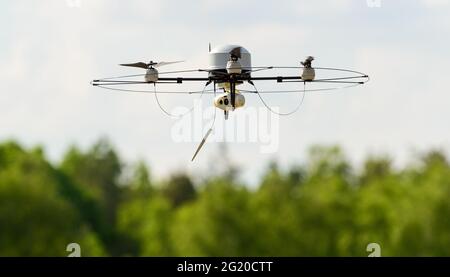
point(324, 207)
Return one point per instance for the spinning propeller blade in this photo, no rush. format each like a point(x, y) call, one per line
point(308, 62)
point(201, 144)
point(166, 63)
point(140, 65)
point(236, 52)
point(148, 65)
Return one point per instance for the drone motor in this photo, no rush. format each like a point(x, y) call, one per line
point(234, 67)
point(151, 75)
point(308, 74)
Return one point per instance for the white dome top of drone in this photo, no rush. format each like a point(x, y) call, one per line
point(220, 55)
point(227, 48)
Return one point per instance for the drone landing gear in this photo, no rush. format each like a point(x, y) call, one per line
point(226, 113)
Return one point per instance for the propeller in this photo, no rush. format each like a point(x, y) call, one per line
point(207, 133)
point(202, 143)
point(236, 52)
point(308, 62)
point(149, 65)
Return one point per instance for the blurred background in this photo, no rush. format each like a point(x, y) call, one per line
point(359, 166)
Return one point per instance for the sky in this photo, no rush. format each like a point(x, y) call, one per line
point(50, 50)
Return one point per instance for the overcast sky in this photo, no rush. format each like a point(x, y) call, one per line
point(51, 49)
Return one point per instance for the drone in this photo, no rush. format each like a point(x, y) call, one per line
point(229, 68)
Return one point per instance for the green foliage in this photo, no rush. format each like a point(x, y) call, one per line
point(97, 171)
point(218, 223)
point(322, 208)
point(35, 219)
point(147, 221)
point(179, 189)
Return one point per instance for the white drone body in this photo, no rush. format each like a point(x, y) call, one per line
point(230, 66)
point(220, 56)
